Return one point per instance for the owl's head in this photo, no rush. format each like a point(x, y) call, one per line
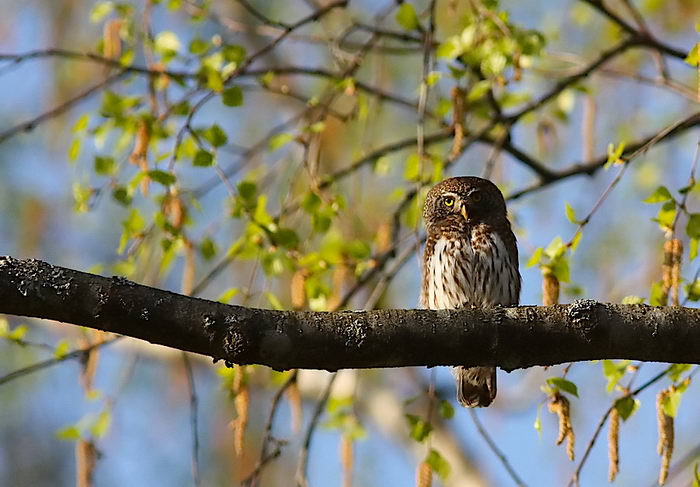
point(462, 201)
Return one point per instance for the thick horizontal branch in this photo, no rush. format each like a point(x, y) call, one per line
point(512, 338)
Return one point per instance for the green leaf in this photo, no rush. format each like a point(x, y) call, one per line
point(538, 421)
point(228, 295)
point(166, 42)
point(274, 301)
point(676, 370)
point(279, 140)
point(81, 124)
point(233, 53)
point(419, 428)
point(479, 89)
point(247, 190)
point(232, 97)
point(632, 300)
point(122, 196)
point(693, 57)
point(692, 290)
point(69, 433)
point(100, 11)
point(535, 258)
point(203, 159)
point(199, 46)
point(438, 464)
point(207, 248)
point(560, 268)
point(615, 154)
point(215, 135)
point(81, 197)
point(564, 385)
point(406, 16)
point(626, 406)
point(693, 250)
point(693, 226)
point(672, 401)
point(614, 371)
point(105, 166)
point(570, 213)
point(18, 333)
point(659, 195)
point(412, 170)
point(162, 177)
point(433, 77)
point(556, 248)
point(286, 237)
point(101, 425)
point(446, 409)
point(573, 245)
point(696, 476)
point(62, 349)
point(74, 149)
point(450, 49)
point(656, 294)
point(666, 215)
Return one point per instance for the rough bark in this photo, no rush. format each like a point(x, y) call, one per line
point(511, 338)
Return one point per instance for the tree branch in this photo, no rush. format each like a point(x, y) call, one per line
point(512, 338)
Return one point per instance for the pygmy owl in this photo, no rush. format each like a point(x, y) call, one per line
point(470, 259)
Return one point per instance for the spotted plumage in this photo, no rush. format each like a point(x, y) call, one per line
point(470, 259)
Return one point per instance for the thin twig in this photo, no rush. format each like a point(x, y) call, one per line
point(254, 478)
point(30, 369)
point(194, 425)
point(575, 478)
point(303, 463)
point(494, 448)
point(60, 109)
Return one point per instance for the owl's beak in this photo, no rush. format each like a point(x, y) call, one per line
point(464, 213)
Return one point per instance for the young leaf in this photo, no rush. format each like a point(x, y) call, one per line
point(69, 433)
point(659, 195)
point(536, 257)
point(215, 136)
point(626, 406)
point(614, 371)
point(676, 370)
point(438, 464)
point(570, 213)
point(166, 42)
point(446, 409)
point(232, 97)
point(419, 428)
point(105, 166)
point(162, 177)
point(279, 141)
point(693, 57)
point(564, 385)
point(406, 16)
point(203, 158)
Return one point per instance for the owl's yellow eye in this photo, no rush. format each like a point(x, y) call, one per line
point(448, 201)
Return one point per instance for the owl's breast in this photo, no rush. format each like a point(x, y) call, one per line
point(475, 271)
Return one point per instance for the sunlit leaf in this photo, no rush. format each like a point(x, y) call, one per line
point(438, 464)
point(420, 429)
point(563, 385)
point(232, 97)
point(406, 16)
point(627, 406)
point(659, 195)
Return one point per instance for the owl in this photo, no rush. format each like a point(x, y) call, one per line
point(470, 259)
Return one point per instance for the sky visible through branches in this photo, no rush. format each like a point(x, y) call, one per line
point(330, 132)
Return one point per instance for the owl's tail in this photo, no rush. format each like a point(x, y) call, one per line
point(476, 386)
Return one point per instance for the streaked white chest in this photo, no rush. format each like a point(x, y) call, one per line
point(459, 274)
